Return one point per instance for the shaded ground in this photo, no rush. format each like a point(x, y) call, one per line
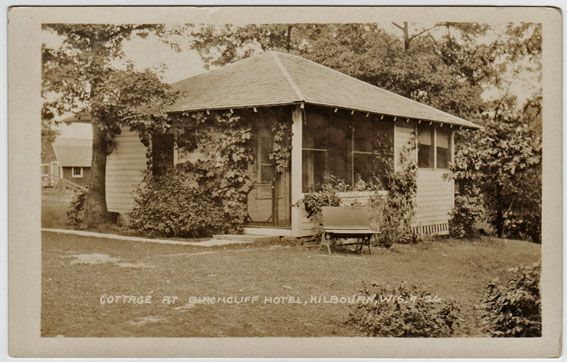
point(77, 271)
point(54, 205)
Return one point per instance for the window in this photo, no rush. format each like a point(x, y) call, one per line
point(425, 147)
point(76, 172)
point(162, 153)
point(354, 149)
point(430, 154)
point(44, 169)
point(442, 147)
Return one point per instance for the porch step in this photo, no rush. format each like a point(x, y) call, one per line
point(239, 238)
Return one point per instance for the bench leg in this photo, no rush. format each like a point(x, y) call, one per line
point(326, 241)
point(368, 243)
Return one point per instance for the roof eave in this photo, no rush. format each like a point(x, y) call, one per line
point(452, 124)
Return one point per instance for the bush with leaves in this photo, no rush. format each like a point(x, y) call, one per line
point(76, 210)
point(393, 215)
point(468, 211)
point(513, 309)
point(405, 310)
point(175, 205)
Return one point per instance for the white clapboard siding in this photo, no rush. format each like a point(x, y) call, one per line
point(434, 198)
point(124, 168)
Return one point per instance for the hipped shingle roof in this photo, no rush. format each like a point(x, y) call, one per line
point(274, 78)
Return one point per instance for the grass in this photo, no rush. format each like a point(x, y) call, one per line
point(77, 271)
point(54, 204)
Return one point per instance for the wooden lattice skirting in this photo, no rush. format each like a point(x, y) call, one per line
point(432, 229)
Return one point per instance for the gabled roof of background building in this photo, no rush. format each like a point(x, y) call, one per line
point(274, 78)
point(73, 152)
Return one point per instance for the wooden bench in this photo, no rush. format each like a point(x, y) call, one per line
point(346, 223)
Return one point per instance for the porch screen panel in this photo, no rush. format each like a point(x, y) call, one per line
point(373, 152)
point(339, 149)
point(314, 152)
point(443, 148)
point(265, 164)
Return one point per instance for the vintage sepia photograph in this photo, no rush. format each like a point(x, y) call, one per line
point(292, 178)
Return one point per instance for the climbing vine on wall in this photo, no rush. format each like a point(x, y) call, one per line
point(220, 145)
point(221, 142)
point(393, 214)
point(281, 148)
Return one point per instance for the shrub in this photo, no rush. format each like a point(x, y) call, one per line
point(513, 309)
point(393, 214)
point(76, 210)
point(468, 211)
point(175, 205)
point(403, 311)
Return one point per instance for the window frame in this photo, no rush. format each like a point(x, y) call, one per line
point(73, 175)
point(449, 149)
point(450, 159)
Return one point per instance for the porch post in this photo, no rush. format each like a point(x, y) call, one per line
point(296, 169)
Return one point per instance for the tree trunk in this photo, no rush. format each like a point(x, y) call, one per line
point(405, 31)
point(95, 203)
point(499, 220)
point(288, 38)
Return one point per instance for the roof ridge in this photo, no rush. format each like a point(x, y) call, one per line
point(219, 68)
point(287, 76)
point(371, 85)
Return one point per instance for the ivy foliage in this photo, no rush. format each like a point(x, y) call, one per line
point(223, 141)
point(281, 148)
point(513, 308)
point(217, 148)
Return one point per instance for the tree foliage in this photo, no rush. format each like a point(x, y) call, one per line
point(504, 164)
point(79, 76)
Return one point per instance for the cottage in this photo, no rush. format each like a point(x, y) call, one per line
point(74, 159)
point(336, 121)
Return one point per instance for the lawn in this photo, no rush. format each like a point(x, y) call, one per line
point(54, 205)
point(78, 271)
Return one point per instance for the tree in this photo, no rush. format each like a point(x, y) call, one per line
point(78, 76)
point(501, 166)
point(504, 162)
